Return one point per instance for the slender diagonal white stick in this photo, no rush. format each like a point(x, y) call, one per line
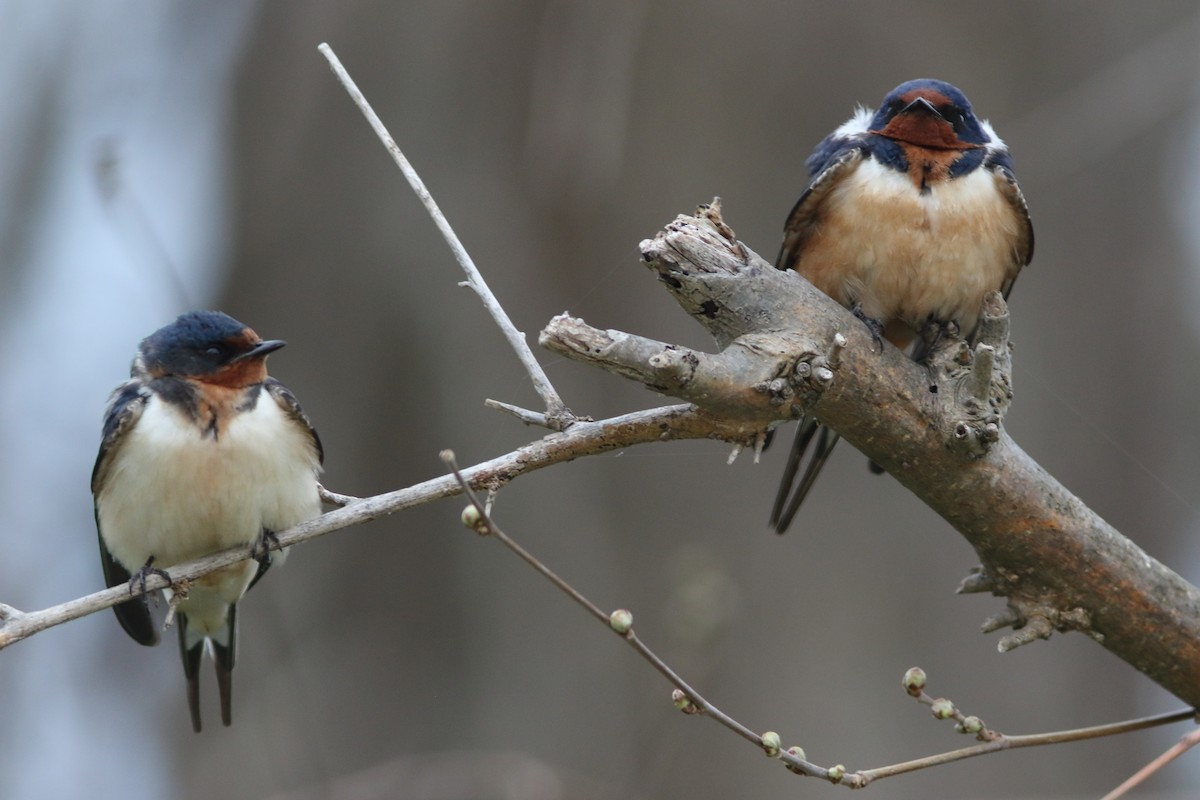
point(556, 411)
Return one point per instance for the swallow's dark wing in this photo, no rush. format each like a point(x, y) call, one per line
point(805, 214)
point(124, 410)
point(133, 614)
point(1007, 183)
point(835, 159)
point(291, 406)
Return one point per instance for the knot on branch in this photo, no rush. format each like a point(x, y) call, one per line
point(981, 376)
point(978, 580)
point(676, 362)
point(809, 376)
point(1035, 618)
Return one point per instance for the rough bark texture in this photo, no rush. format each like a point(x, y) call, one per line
point(787, 349)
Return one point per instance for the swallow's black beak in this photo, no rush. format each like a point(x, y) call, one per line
point(920, 106)
point(262, 349)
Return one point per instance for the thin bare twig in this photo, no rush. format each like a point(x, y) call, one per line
point(583, 438)
point(1003, 742)
point(556, 410)
point(1175, 751)
point(485, 525)
point(524, 414)
point(335, 499)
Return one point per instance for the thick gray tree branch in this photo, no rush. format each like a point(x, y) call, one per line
point(787, 349)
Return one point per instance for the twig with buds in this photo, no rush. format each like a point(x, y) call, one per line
point(685, 698)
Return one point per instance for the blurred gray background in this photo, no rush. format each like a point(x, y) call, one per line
point(162, 155)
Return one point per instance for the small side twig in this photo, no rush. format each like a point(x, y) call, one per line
point(1002, 742)
point(335, 499)
point(994, 741)
point(1175, 751)
point(556, 410)
point(526, 415)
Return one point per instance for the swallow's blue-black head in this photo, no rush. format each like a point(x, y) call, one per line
point(929, 113)
point(208, 346)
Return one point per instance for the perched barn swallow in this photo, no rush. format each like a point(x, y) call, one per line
point(201, 451)
point(911, 217)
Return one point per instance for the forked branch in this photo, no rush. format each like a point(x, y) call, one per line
point(937, 430)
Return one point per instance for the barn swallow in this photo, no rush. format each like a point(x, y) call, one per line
point(912, 215)
point(201, 451)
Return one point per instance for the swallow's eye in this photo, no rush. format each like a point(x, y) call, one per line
point(214, 351)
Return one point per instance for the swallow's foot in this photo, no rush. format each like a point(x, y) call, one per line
point(138, 581)
point(873, 325)
point(261, 551)
point(937, 331)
